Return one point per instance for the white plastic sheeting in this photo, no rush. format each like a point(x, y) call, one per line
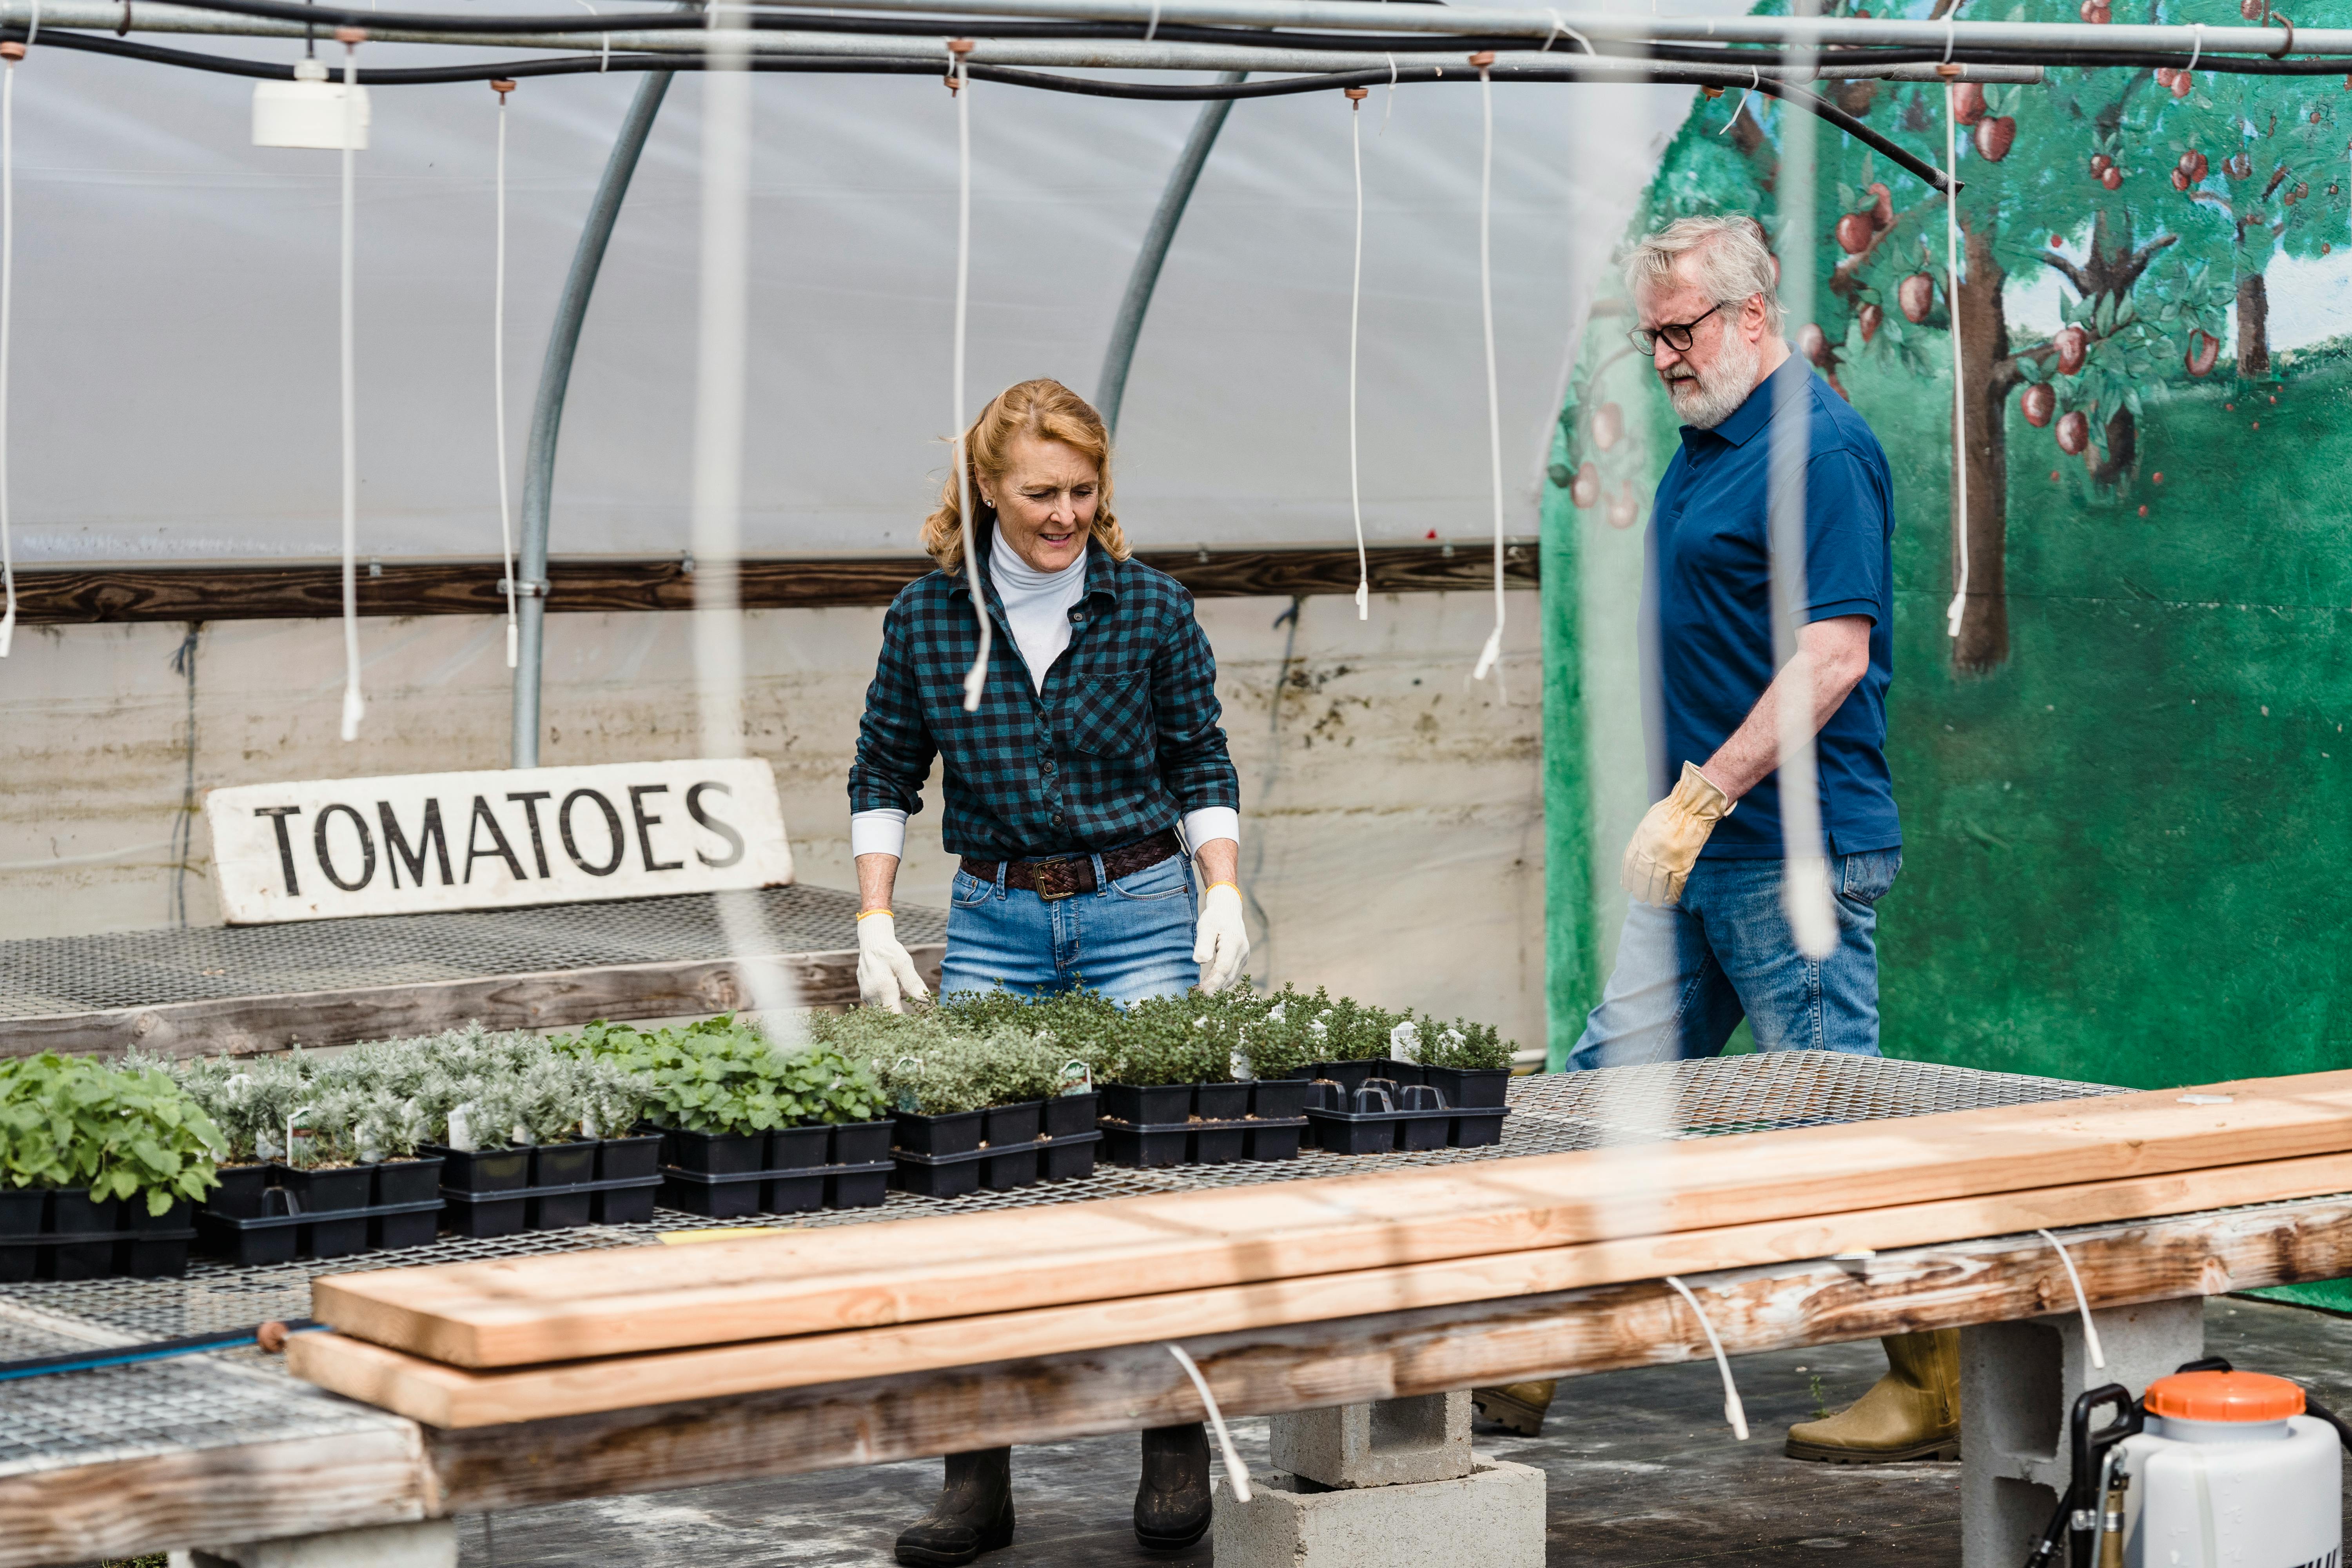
point(176, 366)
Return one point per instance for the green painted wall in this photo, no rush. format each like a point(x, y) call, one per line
point(2128, 822)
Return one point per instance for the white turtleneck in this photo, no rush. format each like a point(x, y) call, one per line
point(1037, 607)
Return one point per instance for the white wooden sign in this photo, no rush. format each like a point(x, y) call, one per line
point(498, 838)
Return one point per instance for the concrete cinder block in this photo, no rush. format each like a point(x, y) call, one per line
point(1493, 1517)
point(1383, 1444)
point(2019, 1383)
point(430, 1543)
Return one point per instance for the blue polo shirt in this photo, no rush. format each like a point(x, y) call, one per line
point(1710, 609)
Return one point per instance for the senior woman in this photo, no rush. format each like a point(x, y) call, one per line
point(1079, 794)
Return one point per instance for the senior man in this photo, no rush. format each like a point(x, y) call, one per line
point(1706, 941)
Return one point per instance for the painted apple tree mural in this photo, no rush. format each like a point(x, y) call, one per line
point(2157, 199)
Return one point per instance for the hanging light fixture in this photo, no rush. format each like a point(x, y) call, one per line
point(307, 112)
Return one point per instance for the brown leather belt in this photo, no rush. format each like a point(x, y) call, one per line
point(1066, 875)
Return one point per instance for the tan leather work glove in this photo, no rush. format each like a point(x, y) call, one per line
point(1665, 847)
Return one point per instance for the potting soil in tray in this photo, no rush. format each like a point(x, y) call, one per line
point(274, 1212)
point(62, 1234)
point(1000, 1166)
point(549, 1186)
point(1381, 1116)
point(1200, 1143)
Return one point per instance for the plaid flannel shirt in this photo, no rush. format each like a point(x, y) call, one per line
point(1120, 742)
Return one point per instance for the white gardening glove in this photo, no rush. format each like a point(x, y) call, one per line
point(886, 971)
point(1220, 943)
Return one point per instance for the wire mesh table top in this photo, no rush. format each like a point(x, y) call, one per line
point(167, 1405)
point(52, 976)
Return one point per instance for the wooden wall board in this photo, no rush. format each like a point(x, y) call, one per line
point(210, 1496)
point(1433, 1350)
point(282, 590)
point(242, 1026)
point(449, 1396)
point(521, 1312)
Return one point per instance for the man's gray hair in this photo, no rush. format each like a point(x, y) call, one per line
point(1727, 255)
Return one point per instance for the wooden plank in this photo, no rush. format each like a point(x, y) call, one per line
point(517, 1312)
point(307, 589)
point(196, 1496)
point(1607, 1328)
point(242, 1026)
point(450, 1396)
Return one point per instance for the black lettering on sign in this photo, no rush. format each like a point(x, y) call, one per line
point(483, 818)
point(429, 836)
point(277, 815)
point(694, 809)
point(637, 794)
point(531, 799)
point(367, 847)
point(611, 828)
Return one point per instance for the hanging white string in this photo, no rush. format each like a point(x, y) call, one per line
point(1492, 654)
point(2082, 1303)
point(1355, 314)
point(1958, 605)
point(499, 380)
point(33, 31)
point(604, 63)
point(354, 705)
point(975, 678)
point(7, 302)
point(1388, 105)
point(1153, 30)
point(1733, 1411)
point(1234, 1468)
point(2196, 43)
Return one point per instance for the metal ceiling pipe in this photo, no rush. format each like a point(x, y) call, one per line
point(1110, 387)
point(547, 407)
point(1559, 29)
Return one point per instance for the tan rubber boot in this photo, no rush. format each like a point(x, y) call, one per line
point(1911, 1413)
point(1518, 1406)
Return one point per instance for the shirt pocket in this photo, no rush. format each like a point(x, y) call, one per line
point(1109, 714)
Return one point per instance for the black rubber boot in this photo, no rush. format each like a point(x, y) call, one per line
point(1172, 1502)
point(974, 1513)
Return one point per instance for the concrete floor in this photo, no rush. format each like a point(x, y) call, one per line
point(1643, 1471)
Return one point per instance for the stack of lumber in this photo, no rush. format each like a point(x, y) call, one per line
point(524, 1339)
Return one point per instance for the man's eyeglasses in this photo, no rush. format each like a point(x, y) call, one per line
point(1676, 335)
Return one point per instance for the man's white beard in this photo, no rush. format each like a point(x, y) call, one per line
point(1715, 393)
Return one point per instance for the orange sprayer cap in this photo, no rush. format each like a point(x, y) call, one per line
point(2224, 1397)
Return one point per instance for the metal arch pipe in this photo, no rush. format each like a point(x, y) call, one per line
point(547, 407)
point(1110, 387)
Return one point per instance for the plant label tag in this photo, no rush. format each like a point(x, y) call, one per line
point(498, 838)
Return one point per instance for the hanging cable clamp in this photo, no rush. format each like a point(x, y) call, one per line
point(349, 37)
point(523, 588)
point(503, 86)
point(12, 50)
point(1952, 72)
point(1483, 59)
point(957, 49)
point(1356, 95)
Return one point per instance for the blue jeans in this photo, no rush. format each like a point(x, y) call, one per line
point(1685, 974)
point(1128, 939)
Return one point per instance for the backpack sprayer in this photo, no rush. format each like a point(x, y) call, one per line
point(2213, 1466)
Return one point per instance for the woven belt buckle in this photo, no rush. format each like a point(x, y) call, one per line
point(1064, 877)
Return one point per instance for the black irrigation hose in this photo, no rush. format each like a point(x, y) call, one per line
point(574, 64)
point(152, 1350)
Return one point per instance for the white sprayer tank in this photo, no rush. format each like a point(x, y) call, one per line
point(2231, 1474)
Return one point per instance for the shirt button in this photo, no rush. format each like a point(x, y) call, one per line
point(1057, 819)
point(1076, 616)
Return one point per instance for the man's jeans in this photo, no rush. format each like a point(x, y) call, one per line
point(1687, 972)
point(1128, 939)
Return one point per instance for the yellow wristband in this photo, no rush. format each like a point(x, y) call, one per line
point(1215, 885)
point(863, 913)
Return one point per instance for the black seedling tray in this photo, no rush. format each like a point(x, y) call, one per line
point(1472, 1089)
point(248, 1240)
point(58, 1233)
point(1200, 1143)
point(549, 1208)
point(1002, 1166)
point(793, 1190)
point(1382, 1131)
